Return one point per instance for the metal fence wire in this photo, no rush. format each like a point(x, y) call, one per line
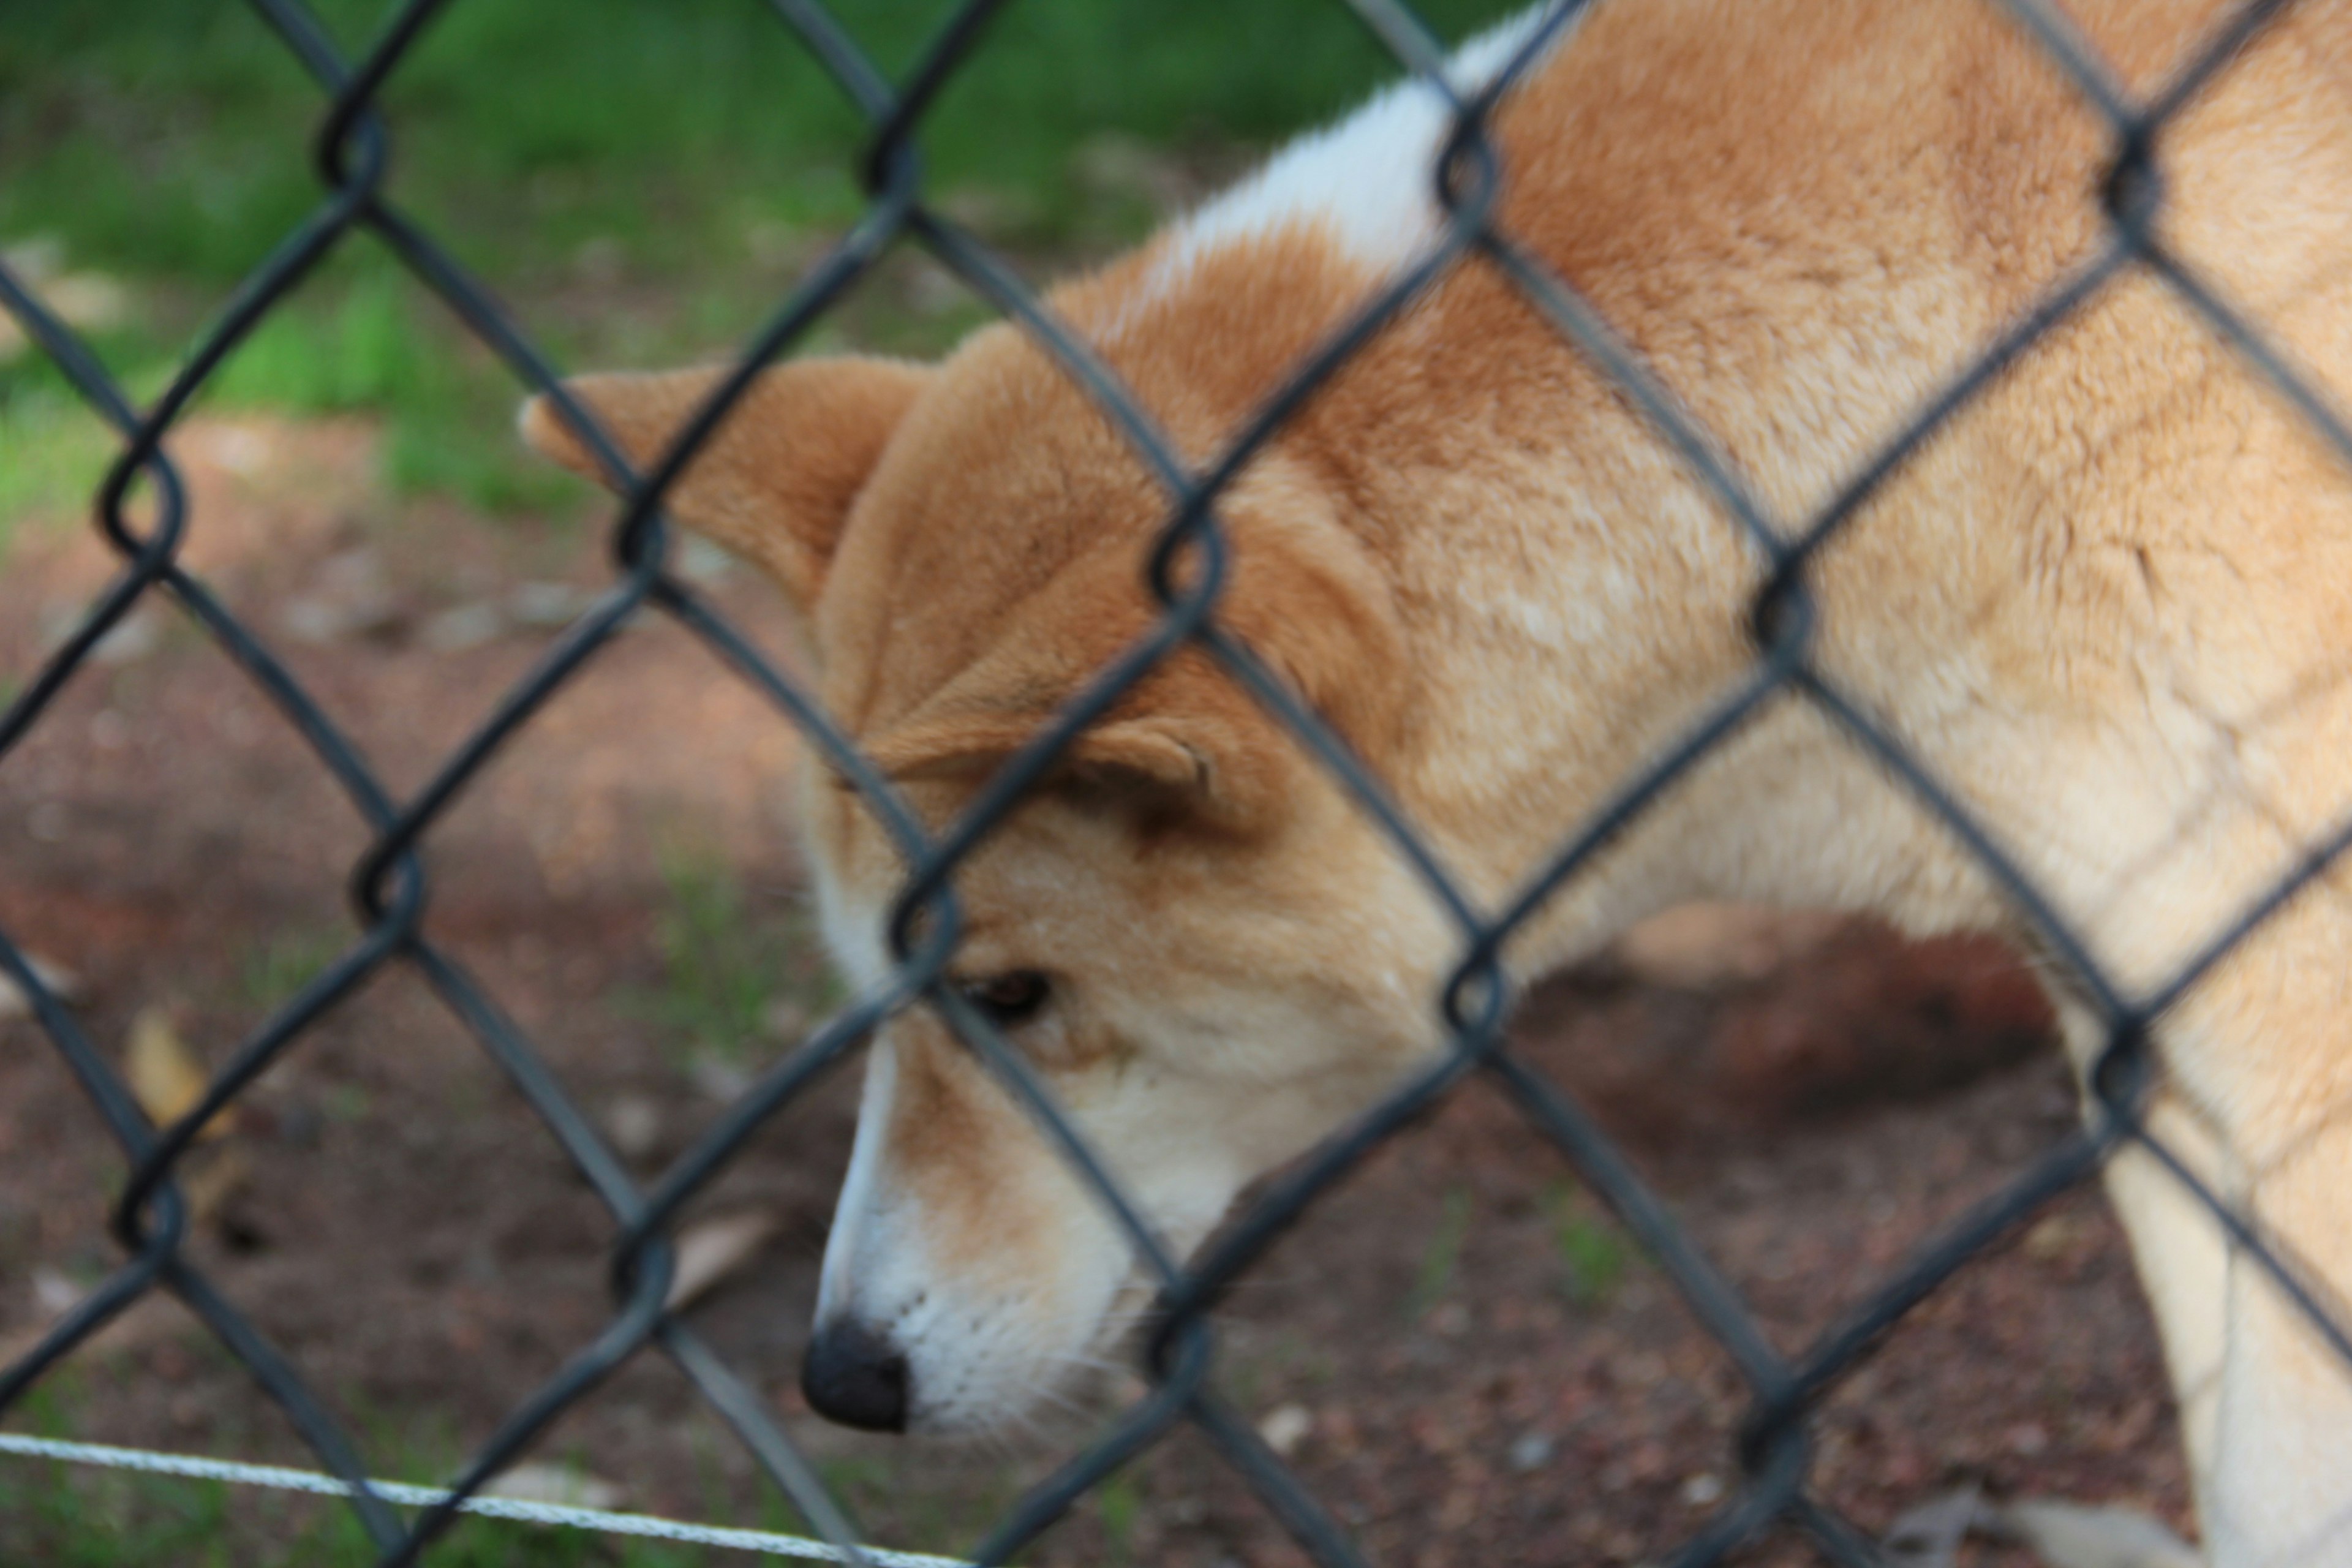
point(389, 892)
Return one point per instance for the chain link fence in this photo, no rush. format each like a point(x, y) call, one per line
point(389, 893)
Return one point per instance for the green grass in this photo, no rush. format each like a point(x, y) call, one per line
point(1442, 1256)
point(1118, 1500)
point(70, 1516)
point(718, 965)
point(903, 1499)
point(1593, 1256)
point(276, 967)
point(727, 959)
point(641, 179)
point(75, 1516)
point(156, 136)
point(57, 455)
point(57, 450)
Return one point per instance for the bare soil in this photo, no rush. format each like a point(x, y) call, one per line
point(1464, 1360)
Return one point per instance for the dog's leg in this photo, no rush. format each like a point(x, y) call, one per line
point(2279, 1487)
point(2180, 1249)
point(2178, 1246)
point(2265, 1403)
point(2183, 1259)
point(2260, 1046)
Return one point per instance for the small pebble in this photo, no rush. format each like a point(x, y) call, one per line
point(721, 1079)
point(462, 627)
point(636, 1124)
point(313, 621)
point(132, 638)
point(53, 1293)
point(1285, 1427)
point(546, 606)
point(1530, 1451)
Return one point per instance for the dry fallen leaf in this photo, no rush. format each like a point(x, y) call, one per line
point(711, 1250)
point(165, 1077)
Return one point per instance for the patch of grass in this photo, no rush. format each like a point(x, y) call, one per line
point(73, 1516)
point(1442, 1255)
point(365, 338)
point(57, 449)
point(640, 182)
point(719, 962)
point(441, 450)
point(59, 1514)
point(1593, 1256)
point(57, 452)
point(1118, 1500)
point(66, 1516)
point(276, 967)
point(859, 1480)
point(901, 1501)
point(345, 1103)
point(361, 349)
point(474, 1542)
point(1299, 1357)
point(156, 136)
point(727, 959)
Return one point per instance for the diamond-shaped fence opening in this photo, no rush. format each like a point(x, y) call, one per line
point(145, 510)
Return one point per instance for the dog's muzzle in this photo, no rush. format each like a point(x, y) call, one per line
point(854, 1375)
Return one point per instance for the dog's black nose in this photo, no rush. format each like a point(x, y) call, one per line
point(856, 1376)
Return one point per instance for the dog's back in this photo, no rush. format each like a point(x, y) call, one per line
point(2109, 602)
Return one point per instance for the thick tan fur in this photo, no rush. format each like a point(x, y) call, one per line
point(2110, 605)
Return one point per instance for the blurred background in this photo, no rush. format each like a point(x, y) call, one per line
point(1459, 1349)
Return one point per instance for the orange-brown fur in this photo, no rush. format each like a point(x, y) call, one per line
point(2109, 604)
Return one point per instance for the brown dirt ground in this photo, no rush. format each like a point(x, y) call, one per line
point(424, 1255)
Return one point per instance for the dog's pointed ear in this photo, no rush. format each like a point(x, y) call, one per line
point(1188, 741)
point(1204, 754)
point(776, 480)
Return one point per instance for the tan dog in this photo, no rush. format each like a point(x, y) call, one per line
point(2110, 605)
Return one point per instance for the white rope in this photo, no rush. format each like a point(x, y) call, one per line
point(598, 1518)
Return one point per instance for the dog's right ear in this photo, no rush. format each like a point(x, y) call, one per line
point(775, 482)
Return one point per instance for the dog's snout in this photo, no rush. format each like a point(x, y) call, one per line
point(854, 1375)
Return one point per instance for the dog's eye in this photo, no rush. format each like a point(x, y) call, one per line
point(1010, 998)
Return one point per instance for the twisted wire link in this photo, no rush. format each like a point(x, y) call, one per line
point(1187, 574)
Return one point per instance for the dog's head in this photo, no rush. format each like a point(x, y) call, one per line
point(1202, 947)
